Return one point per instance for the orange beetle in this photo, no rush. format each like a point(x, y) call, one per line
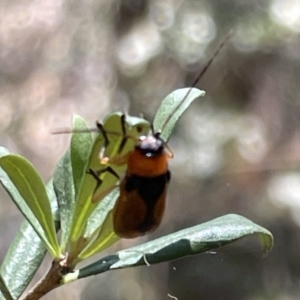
point(140, 206)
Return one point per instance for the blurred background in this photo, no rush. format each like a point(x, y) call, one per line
point(236, 151)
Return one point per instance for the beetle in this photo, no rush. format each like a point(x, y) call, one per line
point(141, 203)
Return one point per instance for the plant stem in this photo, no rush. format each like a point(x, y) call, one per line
point(48, 283)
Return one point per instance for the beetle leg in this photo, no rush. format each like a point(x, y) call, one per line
point(124, 136)
point(106, 140)
point(118, 160)
point(96, 175)
point(99, 181)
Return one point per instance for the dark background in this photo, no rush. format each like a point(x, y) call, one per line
point(236, 151)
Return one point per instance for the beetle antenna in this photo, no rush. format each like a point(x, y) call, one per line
point(227, 37)
point(68, 131)
point(199, 76)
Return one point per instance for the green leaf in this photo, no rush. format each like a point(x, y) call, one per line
point(81, 146)
point(31, 189)
point(171, 109)
point(27, 251)
point(4, 290)
point(53, 203)
point(22, 260)
point(100, 213)
point(105, 235)
point(194, 240)
point(84, 205)
point(65, 193)
point(106, 238)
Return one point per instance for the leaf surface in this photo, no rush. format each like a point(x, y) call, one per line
point(171, 109)
point(198, 239)
point(31, 198)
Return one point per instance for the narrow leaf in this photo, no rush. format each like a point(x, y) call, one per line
point(31, 188)
point(106, 238)
point(22, 260)
point(194, 240)
point(65, 192)
point(4, 290)
point(171, 109)
point(100, 213)
point(26, 252)
point(81, 145)
point(105, 235)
